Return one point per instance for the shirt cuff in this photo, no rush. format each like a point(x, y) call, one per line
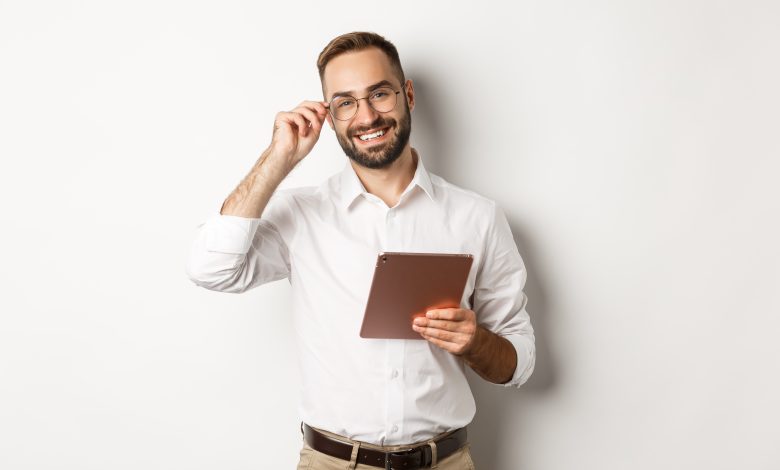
point(526, 358)
point(230, 234)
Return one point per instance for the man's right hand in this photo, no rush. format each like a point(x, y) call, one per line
point(296, 132)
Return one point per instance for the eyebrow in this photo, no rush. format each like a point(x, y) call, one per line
point(369, 88)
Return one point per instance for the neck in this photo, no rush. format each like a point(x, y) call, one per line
point(389, 183)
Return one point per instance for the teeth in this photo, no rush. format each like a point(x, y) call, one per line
point(372, 136)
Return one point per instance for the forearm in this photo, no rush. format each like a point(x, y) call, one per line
point(255, 190)
point(492, 357)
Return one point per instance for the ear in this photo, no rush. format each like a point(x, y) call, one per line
point(410, 94)
point(330, 121)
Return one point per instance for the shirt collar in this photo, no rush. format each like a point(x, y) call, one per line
point(351, 187)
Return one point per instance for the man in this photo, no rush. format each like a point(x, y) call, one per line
point(370, 403)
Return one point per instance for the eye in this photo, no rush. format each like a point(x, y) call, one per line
point(379, 94)
point(345, 103)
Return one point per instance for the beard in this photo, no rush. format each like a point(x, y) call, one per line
point(378, 156)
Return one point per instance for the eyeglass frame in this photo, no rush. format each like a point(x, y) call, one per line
point(357, 101)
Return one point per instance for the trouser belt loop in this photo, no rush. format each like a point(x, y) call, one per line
point(434, 457)
point(354, 457)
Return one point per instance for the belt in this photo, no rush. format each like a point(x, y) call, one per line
point(408, 459)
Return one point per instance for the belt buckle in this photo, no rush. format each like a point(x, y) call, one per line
point(389, 463)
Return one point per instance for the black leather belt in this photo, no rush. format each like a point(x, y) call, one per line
point(408, 459)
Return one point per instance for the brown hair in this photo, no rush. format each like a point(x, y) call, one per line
point(357, 41)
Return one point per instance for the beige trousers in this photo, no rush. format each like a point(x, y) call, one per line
point(310, 459)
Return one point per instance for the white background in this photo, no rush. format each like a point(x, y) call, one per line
point(633, 146)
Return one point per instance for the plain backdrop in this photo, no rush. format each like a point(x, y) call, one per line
point(633, 146)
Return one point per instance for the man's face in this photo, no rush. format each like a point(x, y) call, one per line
point(355, 73)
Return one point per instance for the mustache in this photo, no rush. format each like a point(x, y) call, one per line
point(381, 122)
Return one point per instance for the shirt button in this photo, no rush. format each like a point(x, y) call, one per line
point(394, 374)
point(395, 429)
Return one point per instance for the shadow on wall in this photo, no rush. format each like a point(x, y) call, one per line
point(490, 434)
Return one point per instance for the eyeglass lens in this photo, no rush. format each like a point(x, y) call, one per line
point(382, 100)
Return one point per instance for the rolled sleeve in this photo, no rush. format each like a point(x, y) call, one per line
point(234, 254)
point(499, 300)
point(231, 234)
point(526, 359)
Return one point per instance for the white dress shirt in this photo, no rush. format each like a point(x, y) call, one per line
point(325, 240)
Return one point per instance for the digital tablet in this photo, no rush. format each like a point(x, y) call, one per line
point(406, 285)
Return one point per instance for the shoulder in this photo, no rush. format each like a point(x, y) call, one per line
point(456, 199)
point(305, 196)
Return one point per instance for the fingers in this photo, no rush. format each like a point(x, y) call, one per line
point(307, 115)
point(313, 120)
point(445, 329)
point(294, 119)
point(441, 334)
point(320, 107)
point(314, 112)
point(453, 319)
point(454, 343)
point(455, 314)
point(452, 329)
point(456, 321)
point(442, 324)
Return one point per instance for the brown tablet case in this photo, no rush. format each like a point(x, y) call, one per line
point(406, 285)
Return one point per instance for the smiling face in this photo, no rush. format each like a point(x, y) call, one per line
point(385, 135)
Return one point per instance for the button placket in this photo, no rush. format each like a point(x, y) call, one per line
point(395, 385)
point(391, 230)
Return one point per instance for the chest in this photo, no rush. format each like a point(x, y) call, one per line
point(337, 250)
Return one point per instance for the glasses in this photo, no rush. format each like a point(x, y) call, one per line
point(381, 100)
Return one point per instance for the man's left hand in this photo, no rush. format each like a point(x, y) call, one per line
point(452, 329)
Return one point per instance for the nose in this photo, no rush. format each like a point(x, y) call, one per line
point(365, 114)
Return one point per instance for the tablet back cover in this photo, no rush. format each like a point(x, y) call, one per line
point(406, 285)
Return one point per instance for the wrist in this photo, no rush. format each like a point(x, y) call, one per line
point(476, 350)
point(275, 165)
point(492, 357)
